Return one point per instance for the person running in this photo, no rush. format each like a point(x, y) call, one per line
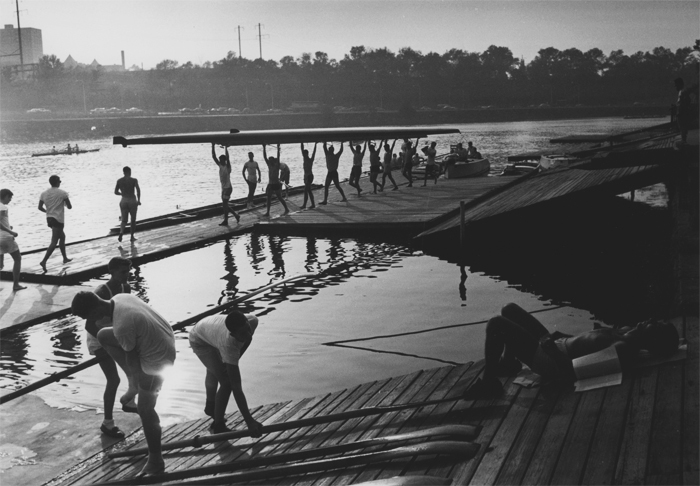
point(219, 342)
point(285, 175)
point(119, 269)
point(332, 160)
point(224, 164)
point(356, 171)
point(516, 336)
point(252, 177)
point(130, 202)
point(8, 245)
point(409, 150)
point(375, 167)
point(388, 152)
point(308, 175)
point(430, 165)
point(52, 201)
point(148, 342)
point(274, 184)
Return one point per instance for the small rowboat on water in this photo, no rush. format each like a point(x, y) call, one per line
point(468, 168)
point(64, 152)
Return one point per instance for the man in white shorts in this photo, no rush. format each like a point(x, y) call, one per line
point(149, 345)
point(219, 341)
point(8, 245)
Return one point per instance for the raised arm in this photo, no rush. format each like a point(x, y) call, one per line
point(278, 152)
point(364, 149)
point(342, 146)
point(228, 159)
point(313, 156)
point(352, 148)
point(265, 154)
point(213, 154)
point(325, 148)
point(393, 145)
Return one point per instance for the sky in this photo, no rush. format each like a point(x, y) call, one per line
point(149, 31)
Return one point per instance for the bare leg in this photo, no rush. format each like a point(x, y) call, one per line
point(279, 197)
point(62, 247)
point(125, 214)
point(109, 368)
point(55, 236)
point(133, 222)
point(503, 334)
point(269, 200)
point(17, 257)
point(152, 430)
point(110, 344)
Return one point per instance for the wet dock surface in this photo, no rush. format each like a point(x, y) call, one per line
point(639, 432)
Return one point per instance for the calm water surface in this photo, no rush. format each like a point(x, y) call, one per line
point(363, 289)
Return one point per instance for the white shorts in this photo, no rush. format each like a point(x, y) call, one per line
point(8, 245)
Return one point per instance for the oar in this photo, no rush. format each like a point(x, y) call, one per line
point(86, 364)
point(408, 481)
point(460, 450)
point(465, 432)
point(293, 424)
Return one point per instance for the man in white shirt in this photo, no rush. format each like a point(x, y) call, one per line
point(149, 345)
point(7, 239)
point(52, 201)
point(219, 341)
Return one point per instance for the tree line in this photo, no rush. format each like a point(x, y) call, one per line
point(365, 79)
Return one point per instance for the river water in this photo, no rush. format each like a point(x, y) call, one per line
point(365, 289)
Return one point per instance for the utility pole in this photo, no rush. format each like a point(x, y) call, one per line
point(19, 33)
point(260, 40)
point(239, 42)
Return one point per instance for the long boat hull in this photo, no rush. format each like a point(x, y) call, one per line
point(471, 168)
point(76, 152)
point(308, 135)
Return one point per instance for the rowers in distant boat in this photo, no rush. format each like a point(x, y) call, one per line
point(68, 151)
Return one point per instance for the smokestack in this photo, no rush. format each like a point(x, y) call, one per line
point(123, 63)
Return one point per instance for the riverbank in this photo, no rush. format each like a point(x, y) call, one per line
point(21, 127)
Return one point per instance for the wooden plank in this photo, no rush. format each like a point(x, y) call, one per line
point(574, 453)
point(544, 459)
point(665, 448)
point(691, 405)
point(500, 446)
point(523, 448)
point(602, 459)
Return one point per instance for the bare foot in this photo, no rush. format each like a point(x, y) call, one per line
point(238, 218)
point(286, 211)
point(344, 200)
point(152, 469)
point(18, 287)
point(323, 203)
point(266, 215)
point(43, 266)
point(66, 260)
point(133, 238)
point(119, 238)
point(224, 223)
point(312, 206)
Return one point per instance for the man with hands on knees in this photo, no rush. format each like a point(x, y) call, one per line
point(219, 341)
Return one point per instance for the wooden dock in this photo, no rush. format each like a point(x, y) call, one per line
point(644, 431)
point(412, 208)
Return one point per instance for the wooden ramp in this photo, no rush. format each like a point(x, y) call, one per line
point(575, 183)
point(407, 208)
point(644, 431)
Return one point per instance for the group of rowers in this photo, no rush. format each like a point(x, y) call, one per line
point(279, 173)
point(68, 150)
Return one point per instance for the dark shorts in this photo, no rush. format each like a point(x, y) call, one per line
point(356, 171)
point(226, 193)
point(430, 169)
point(374, 169)
point(284, 178)
point(332, 176)
point(273, 186)
point(53, 223)
point(308, 179)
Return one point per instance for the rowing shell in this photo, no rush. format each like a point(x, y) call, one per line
point(307, 135)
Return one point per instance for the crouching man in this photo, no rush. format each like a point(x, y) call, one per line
point(516, 337)
point(148, 342)
point(219, 341)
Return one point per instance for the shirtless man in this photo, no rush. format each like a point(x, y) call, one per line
point(224, 164)
point(430, 165)
point(332, 160)
point(308, 175)
point(130, 202)
point(52, 201)
point(516, 336)
point(375, 167)
point(274, 184)
point(285, 174)
point(409, 150)
point(388, 151)
point(250, 168)
point(356, 171)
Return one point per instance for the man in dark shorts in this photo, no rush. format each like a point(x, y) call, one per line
point(224, 164)
point(332, 160)
point(285, 175)
point(149, 346)
point(128, 188)
point(274, 185)
point(375, 167)
point(52, 201)
point(409, 150)
point(388, 152)
point(308, 176)
point(430, 165)
point(515, 336)
point(356, 171)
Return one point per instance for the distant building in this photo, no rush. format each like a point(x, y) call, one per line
point(32, 46)
point(71, 63)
